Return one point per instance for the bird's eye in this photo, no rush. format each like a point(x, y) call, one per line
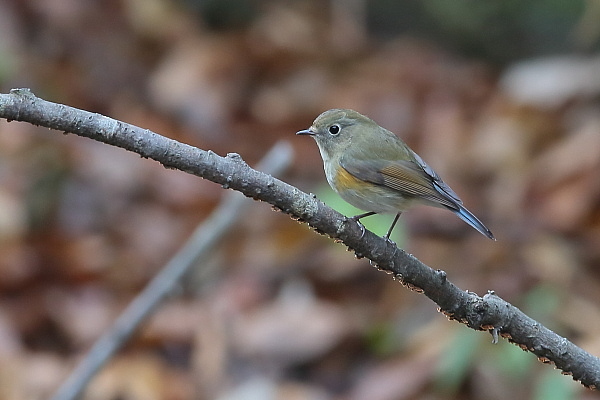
point(334, 129)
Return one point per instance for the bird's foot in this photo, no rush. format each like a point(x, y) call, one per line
point(387, 239)
point(357, 218)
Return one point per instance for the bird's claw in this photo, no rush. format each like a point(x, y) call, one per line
point(362, 229)
point(357, 218)
point(360, 225)
point(387, 239)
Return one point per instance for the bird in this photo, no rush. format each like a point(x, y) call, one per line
point(375, 171)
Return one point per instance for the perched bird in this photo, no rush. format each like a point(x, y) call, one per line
point(374, 170)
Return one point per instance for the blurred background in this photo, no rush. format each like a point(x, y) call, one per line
point(501, 98)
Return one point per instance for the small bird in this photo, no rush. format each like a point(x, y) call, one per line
point(374, 170)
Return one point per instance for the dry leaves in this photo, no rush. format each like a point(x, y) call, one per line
point(277, 311)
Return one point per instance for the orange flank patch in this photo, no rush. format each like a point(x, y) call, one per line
point(344, 180)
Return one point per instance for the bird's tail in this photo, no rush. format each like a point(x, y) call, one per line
point(472, 220)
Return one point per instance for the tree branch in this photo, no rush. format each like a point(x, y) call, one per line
point(489, 312)
point(197, 247)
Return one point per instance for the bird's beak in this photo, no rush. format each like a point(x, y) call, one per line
point(306, 132)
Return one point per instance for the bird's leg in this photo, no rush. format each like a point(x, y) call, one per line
point(357, 218)
point(389, 232)
point(360, 216)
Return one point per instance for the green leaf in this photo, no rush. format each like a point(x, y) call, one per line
point(379, 224)
point(456, 362)
point(554, 386)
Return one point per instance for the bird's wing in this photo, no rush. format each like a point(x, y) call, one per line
point(411, 178)
point(437, 181)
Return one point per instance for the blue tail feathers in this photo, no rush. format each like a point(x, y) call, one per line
point(472, 220)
